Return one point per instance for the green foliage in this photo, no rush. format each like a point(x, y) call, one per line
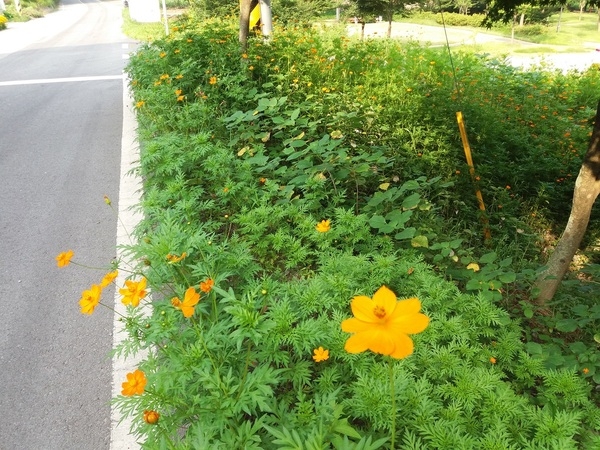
point(460, 20)
point(242, 156)
point(29, 9)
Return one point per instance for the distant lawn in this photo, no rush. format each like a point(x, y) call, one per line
point(145, 32)
point(574, 35)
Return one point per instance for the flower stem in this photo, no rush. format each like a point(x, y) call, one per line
point(393, 395)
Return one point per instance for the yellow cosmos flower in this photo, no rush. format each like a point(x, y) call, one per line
point(320, 354)
point(382, 324)
point(207, 285)
point(133, 292)
point(109, 278)
point(135, 384)
point(323, 226)
point(90, 299)
point(64, 258)
point(141, 103)
point(213, 80)
point(190, 300)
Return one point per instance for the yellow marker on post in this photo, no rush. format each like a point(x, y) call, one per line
point(254, 16)
point(467, 148)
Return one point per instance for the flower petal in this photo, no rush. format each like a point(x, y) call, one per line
point(409, 324)
point(408, 306)
point(403, 346)
point(362, 308)
point(354, 325)
point(406, 318)
point(375, 339)
point(356, 344)
point(386, 298)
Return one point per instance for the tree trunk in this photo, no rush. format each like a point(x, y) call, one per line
point(244, 23)
point(587, 188)
point(522, 20)
point(390, 18)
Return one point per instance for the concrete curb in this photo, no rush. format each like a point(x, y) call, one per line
point(128, 217)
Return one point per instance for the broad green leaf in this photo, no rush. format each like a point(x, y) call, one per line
point(412, 201)
point(488, 258)
point(566, 325)
point(507, 277)
point(407, 233)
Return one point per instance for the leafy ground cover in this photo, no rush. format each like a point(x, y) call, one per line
point(285, 186)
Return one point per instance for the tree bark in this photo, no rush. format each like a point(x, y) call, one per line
point(587, 188)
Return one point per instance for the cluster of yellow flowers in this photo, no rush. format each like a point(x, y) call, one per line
point(90, 298)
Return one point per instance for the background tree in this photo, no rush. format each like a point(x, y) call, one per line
point(587, 188)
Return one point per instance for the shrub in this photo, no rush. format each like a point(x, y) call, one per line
point(460, 20)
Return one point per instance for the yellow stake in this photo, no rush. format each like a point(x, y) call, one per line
point(467, 148)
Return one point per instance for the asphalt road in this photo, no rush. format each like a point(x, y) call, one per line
point(61, 110)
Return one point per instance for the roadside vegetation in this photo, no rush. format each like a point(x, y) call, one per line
point(304, 189)
point(22, 11)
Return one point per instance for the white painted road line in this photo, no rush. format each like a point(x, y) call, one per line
point(61, 80)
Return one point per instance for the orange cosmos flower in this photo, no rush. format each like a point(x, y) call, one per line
point(585, 370)
point(493, 360)
point(323, 226)
point(109, 278)
point(133, 292)
point(90, 299)
point(190, 300)
point(64, 258)
point(135, 384)
point(207, 285)
point(151, 417)
point(175, 259)
point(320, 354)
point(382, 324)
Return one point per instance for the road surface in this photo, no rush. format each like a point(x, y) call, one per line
point(61, 97)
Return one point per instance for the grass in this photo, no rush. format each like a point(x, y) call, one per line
point(145, 32)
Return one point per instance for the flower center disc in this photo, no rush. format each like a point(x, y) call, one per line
point(379, 312)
